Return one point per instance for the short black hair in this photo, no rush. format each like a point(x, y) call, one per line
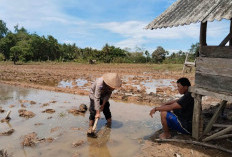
point(184, 81)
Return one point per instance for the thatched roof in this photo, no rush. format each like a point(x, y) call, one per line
point(185, 12)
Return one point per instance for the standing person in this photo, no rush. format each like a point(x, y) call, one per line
point(100, 93)
point(177, 114)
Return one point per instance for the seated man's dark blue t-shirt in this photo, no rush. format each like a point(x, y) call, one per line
point(185, 114)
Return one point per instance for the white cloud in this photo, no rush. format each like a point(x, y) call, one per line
point(135, 33)
point(135, 29)
point(34, 14)
point(130, 43)
point(47, 17)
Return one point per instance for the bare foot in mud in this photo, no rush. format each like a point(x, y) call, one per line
point(164, 135)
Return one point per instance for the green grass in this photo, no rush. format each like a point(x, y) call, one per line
point(169, 67)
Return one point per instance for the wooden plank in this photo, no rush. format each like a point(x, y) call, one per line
point(206, 92)
point(213, 82)
point(203, 31)
point(227, 38)
point(189, 63)
point(196, 116)
point(215, 117)
point(216, 51)
point(214, 66)
point(220, 133)
point(230, 42)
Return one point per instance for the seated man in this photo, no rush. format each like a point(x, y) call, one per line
point(177, 114)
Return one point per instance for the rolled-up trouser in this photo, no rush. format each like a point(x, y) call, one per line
point(106, 110)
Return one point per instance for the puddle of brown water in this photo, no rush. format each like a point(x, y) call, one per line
point(131, 124)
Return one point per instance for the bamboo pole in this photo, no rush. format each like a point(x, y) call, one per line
point(221, 125)
point(215, 117)
point(223, 136)
point(196, 143)
point(228, 129)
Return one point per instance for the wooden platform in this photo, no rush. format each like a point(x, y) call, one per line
point(197, 124)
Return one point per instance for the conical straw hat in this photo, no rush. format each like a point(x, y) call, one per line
point(112, 80)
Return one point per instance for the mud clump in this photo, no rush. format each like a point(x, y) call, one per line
point(25, 113)
point(78, 143)
point(7, 133)
point(37, 124)
point(75, 112)
point(5, 120)
point(55, 129)
point(31, 139)
point(45, 104)
point(1, 110)
point(11, 106)
point(48, 111)
point(3, 153)
point(83, 108)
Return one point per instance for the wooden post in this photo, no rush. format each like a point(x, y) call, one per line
point(215, 116)
point(230, 42)
point(227, 38)
point(196, 124)
point(203, 34)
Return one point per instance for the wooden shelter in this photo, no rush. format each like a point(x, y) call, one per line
point(213, 75)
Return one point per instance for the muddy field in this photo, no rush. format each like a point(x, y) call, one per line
point(144, 85)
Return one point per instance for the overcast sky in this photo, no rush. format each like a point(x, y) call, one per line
point(93, 23)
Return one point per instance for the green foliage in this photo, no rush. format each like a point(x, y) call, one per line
point(6, 43)
point(3, 29)
point(169, 67)
point(2, 57)
point(25, 47)
point(193, 52)
point(176, 58)
point(159, 55)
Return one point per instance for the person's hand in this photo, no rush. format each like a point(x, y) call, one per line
point(97, 114)
point(152, 112)
point(102, 107)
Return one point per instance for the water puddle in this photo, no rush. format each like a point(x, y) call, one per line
point(80, 83)
point(149, 84)
point(131, 124)
point(152, 85)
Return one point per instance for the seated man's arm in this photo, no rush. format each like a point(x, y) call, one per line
point(170, 107)
point(169, 103)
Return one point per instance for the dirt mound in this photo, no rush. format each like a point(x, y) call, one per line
point(25, 113)
point(31, 139)
point(7, 133)
point(49, 111)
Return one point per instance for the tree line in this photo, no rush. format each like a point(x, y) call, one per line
point(23, 46)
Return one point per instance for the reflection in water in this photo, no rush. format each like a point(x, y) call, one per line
point(98, 146)
point(8, 93)
point(151, 85)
